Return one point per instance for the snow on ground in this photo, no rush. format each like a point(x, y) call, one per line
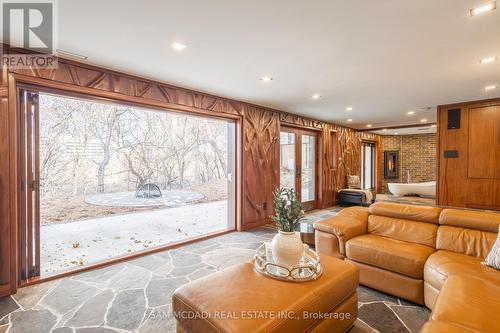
point(66, 245)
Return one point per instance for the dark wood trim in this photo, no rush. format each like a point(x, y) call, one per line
point(115, 260)
point(112, 97)
point(13, 183)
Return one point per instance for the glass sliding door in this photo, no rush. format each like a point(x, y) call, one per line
point(104, 180)
point(368, 165)
point(308, 170)
point(287, 160)
point(298, 164)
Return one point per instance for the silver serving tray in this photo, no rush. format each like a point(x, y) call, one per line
point(308, 269)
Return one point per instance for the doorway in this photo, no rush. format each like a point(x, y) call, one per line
point(101, 180)
point(298, 164)
point(368, 154)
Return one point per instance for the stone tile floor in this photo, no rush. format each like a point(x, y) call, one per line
point(134, 296)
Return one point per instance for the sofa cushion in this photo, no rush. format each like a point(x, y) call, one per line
point(391, 254)
point(469, 302)
point(466, 241)
point(403, 230)
point(442, 264)
point(470, 219)
point(442, 327)
point(408, 212)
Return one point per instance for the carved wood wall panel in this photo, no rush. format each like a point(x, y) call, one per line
point(260, 163)
point(260, 130)
point(91, 77)
point(294, 120)
point(348, 153)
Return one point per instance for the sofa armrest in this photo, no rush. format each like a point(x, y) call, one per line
point(348, 223)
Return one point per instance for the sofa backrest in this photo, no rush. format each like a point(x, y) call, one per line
point(409, 223)
point(468, 232)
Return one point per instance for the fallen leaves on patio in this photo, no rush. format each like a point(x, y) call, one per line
point(79, 262)
point(76, 245)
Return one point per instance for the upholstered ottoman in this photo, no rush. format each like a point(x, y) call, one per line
point(240, 300)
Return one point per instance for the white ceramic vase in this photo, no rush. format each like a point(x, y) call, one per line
point(287, 248)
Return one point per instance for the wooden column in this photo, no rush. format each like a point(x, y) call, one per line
point(6, 231)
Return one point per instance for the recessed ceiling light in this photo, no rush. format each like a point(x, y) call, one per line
point(349, 120)
point(266, 79)
point(410, 113)
point(423, 120)
point(488, 60)
point(492, 87)
point(178, 46)
point(316, 96)
point(483, 9)
point(384, 130)
point(396, 133)
point(369, 125)
point(349, 108)
point(433, 125)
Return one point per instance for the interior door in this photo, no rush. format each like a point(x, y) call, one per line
point(298, 164)
point(29, 205)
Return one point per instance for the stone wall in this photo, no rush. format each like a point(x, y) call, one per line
point(417, 154)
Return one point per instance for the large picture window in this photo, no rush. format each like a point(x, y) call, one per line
point(107, 180)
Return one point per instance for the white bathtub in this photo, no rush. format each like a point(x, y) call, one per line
point(424, 189)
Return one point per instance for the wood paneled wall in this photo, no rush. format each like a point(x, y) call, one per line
point(6, 251)
point(473, 178)
point(259, 129)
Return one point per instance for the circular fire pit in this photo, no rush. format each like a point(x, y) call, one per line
point(129, 199)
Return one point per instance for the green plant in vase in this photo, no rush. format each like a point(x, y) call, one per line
point(287, 246)
point(288, 210)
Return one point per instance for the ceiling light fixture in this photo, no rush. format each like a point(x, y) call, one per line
point(316, 96)
point(266, 79)
point(492, 87)
point(349, 120)
point(178, 46)
point(423, 120)
point(410, 113)
point(488, 60)
point(396, 133)
point(369, 125)
point(433, 125)
point(348, 109)
point(384, 130)
point(483, 9)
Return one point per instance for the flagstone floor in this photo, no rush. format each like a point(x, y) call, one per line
point(135, 296)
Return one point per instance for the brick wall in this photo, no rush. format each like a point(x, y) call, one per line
point(417, 153)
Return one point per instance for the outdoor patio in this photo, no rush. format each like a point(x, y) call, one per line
point(65, 245)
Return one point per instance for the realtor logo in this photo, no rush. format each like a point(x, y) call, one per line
point(28, 34)
point(29, 25)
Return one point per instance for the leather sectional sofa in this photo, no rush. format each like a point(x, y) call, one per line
point(424, 254)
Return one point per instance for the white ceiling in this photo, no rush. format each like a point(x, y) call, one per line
point(383, 57)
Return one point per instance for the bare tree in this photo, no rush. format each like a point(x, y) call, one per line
point(102, 125)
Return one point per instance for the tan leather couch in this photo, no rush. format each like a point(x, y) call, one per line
point(424, 254)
